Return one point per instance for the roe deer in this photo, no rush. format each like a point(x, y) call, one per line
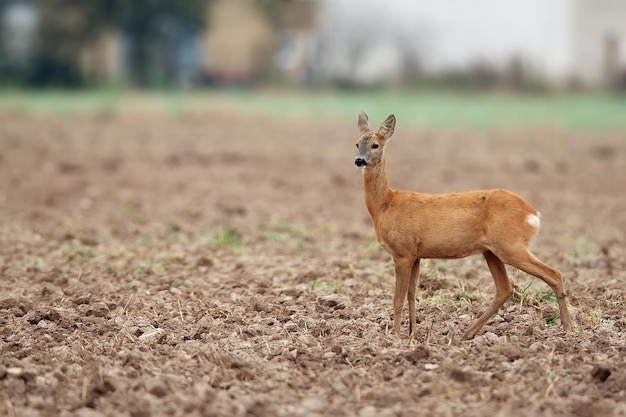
point(411, 226)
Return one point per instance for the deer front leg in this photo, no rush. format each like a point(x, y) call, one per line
point(415, 273)
point(403, 268)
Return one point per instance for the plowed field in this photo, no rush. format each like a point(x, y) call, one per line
point(226, 265)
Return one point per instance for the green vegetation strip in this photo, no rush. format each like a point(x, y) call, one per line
point(434, 109)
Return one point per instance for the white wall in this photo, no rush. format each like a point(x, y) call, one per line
point(594, 20)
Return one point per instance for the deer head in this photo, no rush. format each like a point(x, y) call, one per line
point(371, 144)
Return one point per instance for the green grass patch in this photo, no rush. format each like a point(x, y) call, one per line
point(447, 109)
point(438, 272)
point(282, 230)
point(227, 238)
point(531, 297)
point(552, 319)
point(439, 109)
point(322, 285)
point(582, 252)
point(144, 241)
point(286, 233)
point(60, 102)
point(69, 252)
point(130, 210)
point(35, 264)
point(442, 296)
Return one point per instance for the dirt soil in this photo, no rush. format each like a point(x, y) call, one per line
point(220, 265)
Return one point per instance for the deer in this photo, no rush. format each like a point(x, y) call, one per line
point(412, 226)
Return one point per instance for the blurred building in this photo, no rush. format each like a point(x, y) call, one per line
point(101, 59)
point(244, 44)
point(238, 44)
point(597, 42)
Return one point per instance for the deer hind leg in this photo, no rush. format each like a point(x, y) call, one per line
point(503, 292)
point(527, 262)
point(415, 272)
point(403, 268)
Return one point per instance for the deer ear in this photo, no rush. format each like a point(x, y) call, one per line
point(386, 129)
point(364, 124)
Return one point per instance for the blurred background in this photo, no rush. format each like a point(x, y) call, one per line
point(526, 45)
point(440, 64)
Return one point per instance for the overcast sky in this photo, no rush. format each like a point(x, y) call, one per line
point(456, 33)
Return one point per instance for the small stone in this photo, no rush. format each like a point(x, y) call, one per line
point(333, 301)
point(368, 411)
point(205, 261)
point(337, 349)
point(512, 351)
point(461, 375)
point(15, 371)
point(340, 388)
point(158, 391)
point(88, 412)
point(604, 407)
point(290, 354)
point(328, 355)
point(315, 404)
point(491, 337)
point(430, 366)
point(151, 334)
point(455, 352)
point(418, 354)
point(97, 310)
point(291, 327)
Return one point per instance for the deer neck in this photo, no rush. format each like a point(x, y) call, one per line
point(377, 191)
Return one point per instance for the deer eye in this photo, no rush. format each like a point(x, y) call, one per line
point(375, 146)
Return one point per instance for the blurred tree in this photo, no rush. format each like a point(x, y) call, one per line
point(149, 29)
point(67, 26)
point(272, 10)
point(5, 68)
point(150, 23)
point(63, 30)
point(17, 23)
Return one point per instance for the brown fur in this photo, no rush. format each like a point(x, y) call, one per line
point(411, 226)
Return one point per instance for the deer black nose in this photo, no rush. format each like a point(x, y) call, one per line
point(360, 162)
